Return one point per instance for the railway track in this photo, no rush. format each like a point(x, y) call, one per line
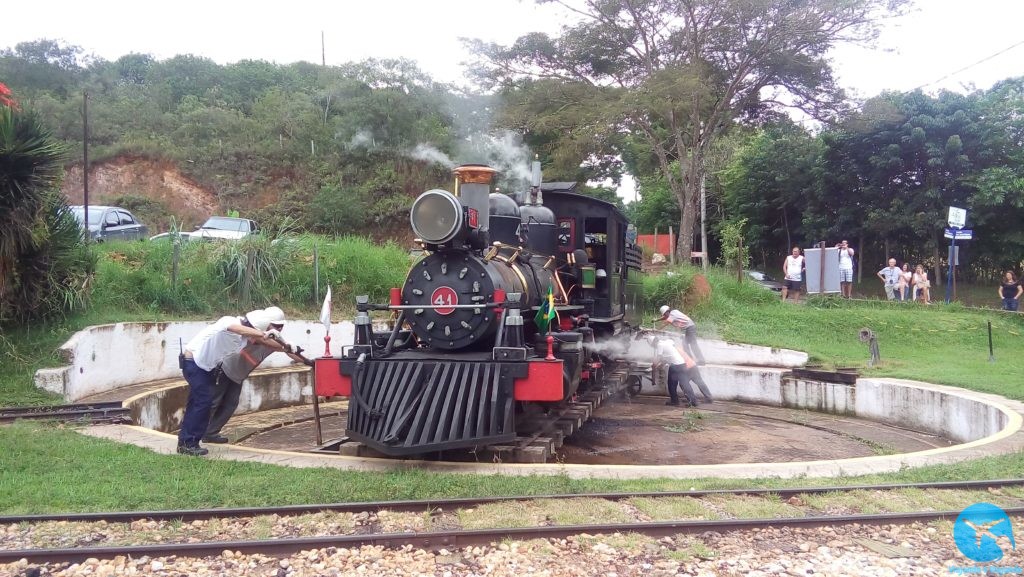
point(112, 413)
point(461, 538)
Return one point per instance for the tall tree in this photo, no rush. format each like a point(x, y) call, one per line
point(767, 183)
point(682, 72)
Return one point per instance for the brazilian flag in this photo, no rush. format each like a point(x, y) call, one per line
point(547, 312)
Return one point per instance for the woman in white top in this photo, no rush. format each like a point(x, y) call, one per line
point(922, 286)
point(906, 280)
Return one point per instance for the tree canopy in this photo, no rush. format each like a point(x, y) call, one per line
point(679, 74)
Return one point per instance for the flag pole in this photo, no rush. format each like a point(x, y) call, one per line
point(325, 318)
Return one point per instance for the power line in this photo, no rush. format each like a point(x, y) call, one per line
point(969, 66)
point(860, 106)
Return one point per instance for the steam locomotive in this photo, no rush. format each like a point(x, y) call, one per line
point(504, 316)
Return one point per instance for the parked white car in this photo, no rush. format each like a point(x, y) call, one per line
point(225, 227)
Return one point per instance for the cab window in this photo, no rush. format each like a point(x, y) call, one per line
point(566, 234)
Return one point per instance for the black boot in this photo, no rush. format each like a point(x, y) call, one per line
point(192, 450)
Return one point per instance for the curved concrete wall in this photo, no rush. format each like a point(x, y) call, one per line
point(163, 409)
point(105, 357)
point(953, 413)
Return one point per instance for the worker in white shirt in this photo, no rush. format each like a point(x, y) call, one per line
point(666, 354)
point(677, 319)
point(201, 356)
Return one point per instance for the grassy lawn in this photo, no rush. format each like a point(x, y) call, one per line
point(51, 468)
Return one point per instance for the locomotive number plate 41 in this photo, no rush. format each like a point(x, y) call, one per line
point(444, 298)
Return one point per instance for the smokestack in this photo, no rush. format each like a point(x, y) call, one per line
point(473, 187)
point(535, 180)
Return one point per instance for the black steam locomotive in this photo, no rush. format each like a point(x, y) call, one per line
point(504, 316)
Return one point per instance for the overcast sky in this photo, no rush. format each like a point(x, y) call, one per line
point(937, 39)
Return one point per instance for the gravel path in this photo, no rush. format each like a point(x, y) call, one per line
point(916, 549)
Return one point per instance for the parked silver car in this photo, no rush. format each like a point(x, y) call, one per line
point(108, 223)
point(765, 280)
point(225, 227)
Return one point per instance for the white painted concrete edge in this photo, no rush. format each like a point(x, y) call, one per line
point(1007, 438)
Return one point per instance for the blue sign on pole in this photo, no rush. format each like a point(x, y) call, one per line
point(961, 234)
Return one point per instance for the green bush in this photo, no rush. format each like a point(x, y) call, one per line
point(45, 265)
point(728, 297)
point(351, 266)
point(216, 276)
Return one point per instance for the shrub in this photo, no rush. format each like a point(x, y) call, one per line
point(45, 265)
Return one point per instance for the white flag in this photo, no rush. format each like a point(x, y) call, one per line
point(325, 311)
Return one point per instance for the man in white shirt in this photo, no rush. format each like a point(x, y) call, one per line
point(845, 269)
point(667, 355)
point(793, 269)
point(201, 356)
point(233, 371)
point(890, 276)
point(677, 319)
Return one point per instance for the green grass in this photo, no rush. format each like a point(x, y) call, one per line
point(51, 468)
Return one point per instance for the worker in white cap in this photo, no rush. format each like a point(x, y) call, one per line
point(236, 367)
point(677, 319)
point(201, 356)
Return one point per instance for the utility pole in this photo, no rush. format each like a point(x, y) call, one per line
point(85, 162)
point(323, 50)
point(703, 225)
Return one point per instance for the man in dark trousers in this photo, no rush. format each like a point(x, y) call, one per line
point(235, 368)
point(198, 360)
point(666, 354)
point(693, 373)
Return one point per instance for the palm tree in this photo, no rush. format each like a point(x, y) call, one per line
point(42, 254)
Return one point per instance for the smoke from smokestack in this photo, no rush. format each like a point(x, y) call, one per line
point(428, 153)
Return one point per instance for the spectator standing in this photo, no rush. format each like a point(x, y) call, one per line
point(922, 286)
point(906, 279)
point(677, 319)
point(234, 369)
point(845, 269)
point(1010, 290)
point(793, 269)
point(890, 276)
point(201, 356)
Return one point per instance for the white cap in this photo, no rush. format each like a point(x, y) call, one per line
point(663, 309)
point(261, 319)
point(601, 273)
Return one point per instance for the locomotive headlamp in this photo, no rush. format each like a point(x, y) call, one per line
point(436, 216)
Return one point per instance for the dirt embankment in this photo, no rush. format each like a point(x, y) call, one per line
point(158, 180)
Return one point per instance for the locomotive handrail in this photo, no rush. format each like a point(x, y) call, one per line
point(413, 307)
